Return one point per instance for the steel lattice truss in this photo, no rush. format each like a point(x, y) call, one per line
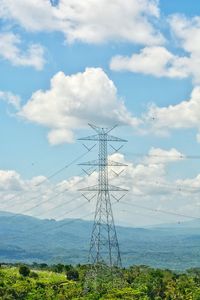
point(104, 246)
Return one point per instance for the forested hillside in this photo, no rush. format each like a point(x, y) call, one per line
point(27, 239)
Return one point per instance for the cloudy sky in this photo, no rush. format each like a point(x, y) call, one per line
point(67, 63)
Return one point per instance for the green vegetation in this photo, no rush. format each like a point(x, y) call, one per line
point(60, 282)
point(24, 270)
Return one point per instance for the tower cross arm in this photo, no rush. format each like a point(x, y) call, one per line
point(113, 163)
point(90, 138)
point(103, 163)
point(102, 137)
point(111, 138)
point(95, 188)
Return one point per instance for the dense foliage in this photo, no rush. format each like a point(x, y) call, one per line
point(61, 282)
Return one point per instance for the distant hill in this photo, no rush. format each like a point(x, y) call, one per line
point(24, 238)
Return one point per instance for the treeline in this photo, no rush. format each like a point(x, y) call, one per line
point(60, 282)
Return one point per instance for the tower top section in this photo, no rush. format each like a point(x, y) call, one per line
point(102, 135)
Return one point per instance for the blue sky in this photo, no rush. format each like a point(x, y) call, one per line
point(131, 62)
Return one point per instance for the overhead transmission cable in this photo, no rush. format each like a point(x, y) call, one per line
point(49, 177)
point(61, 225)
point(65, 203)
point(78, 158)
point(181, 156)
point(66, 166)
point(62, 192)
point(61, 204)
point(142, 214)
point(177, 187)
point(161, 211)
point(66, 213)
point(54, 173)
point(66, 223)
point(46, 200)
point(54, 196)
point(74, 220)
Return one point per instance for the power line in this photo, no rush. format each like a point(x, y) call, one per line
point(66, 223)
point(61, 204)
point(65, 167)
point(49, 177)
point(181, 156)
point(42, 202)
point(92, 213)
point(71, 221)
point(72, 210)
point(53, 197)
point(141, 214)
point(53, 174)
point(45, 201)
point(161, 211)
point(66, 213)
point(177, 187)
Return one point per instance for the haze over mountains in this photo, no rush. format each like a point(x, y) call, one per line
point(24, 238)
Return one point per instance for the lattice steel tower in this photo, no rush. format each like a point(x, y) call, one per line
point(104, 246)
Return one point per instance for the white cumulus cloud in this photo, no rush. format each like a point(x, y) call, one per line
point(73, 101)
point(157, 61)
point(186, 31)
point(183, 115)
point(147, 183)
point(161, 156)
point(161, 62)
point(10, 98)
point(10, 50)
point(10, 181)
point(90, 21)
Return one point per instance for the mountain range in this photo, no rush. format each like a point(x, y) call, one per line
point(28, 239)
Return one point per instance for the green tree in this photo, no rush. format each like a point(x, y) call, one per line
point(72, 275)
point(24, 270)
point(59, 268)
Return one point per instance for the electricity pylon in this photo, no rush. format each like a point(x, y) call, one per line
point(104, 246)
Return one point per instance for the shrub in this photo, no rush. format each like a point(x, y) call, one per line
point(34, 275)
point(72, 275)
point(24, 270)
